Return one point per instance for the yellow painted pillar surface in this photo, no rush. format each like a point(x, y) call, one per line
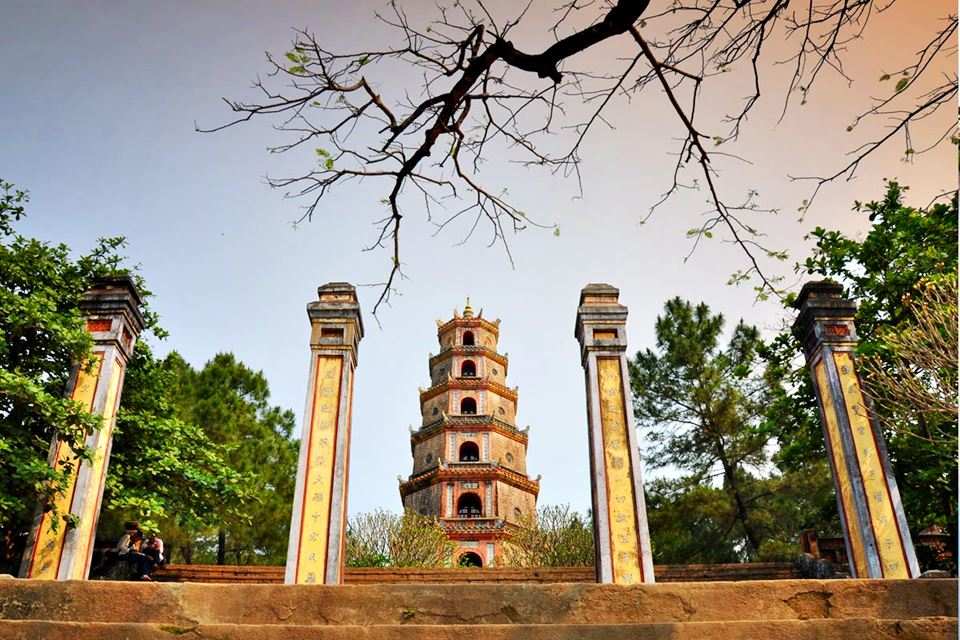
point(315, 553)
point(56, 550)
point(874, 523)
point(619, 510)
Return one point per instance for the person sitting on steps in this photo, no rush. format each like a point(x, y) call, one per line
point(131, 549)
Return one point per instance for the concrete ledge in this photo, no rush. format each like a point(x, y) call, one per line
point(472, 604)
point(921, 629)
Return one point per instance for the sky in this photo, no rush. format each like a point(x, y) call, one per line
point(100, 101)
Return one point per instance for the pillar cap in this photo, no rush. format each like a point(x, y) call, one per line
point(600, 307)
point(115, 295)
point(825, 316)
point(597, 293)
point(337, 299)
point(819, 290)
point(822, 299)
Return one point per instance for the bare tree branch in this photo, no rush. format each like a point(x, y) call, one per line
point(480, 95)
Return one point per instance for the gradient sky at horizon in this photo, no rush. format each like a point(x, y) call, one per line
point(97, 121)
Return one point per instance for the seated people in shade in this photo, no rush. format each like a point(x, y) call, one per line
point(153, 548)
point(139, 555)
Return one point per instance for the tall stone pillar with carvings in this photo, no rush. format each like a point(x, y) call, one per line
point(874, 523)
point(58, 550)
point(315, 553)
point(616, 478)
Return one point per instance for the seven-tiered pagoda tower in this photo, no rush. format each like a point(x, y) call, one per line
point(469, 458)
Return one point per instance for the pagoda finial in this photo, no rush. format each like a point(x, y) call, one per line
point(468, 310)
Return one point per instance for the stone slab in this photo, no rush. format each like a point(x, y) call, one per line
point(466, 604)
point(862, 629)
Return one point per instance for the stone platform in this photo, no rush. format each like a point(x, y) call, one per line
point(754, 610)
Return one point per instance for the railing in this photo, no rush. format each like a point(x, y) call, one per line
point(472, 523)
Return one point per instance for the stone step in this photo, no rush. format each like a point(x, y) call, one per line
point(471, 604)
point(861, 629)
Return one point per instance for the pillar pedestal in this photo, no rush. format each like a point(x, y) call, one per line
point(874, 523)
point(616, 477)
point(315, 554)
point(58, 550)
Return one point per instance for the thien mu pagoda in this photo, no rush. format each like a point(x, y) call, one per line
point(469, 458)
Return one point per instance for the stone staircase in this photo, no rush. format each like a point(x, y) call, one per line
point(749, 610)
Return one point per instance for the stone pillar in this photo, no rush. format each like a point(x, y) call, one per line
point(616, 478)
point(874, 523)
point(315, 553)
point(56, 550)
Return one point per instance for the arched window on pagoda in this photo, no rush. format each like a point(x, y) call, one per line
point(469, 506)
point(468, 369)
point(468, 407)
point(469, 452)
point(468, 339)
point(470, 559)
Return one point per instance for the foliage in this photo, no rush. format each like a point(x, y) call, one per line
point(556, 537)
point(42, 336)
point(229, 403)
point(904, 249)
point(384, 539)
point(917, 373)
point(703, 411)
point(689, 522)
point(165, 472)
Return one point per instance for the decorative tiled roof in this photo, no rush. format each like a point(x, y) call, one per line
point(469, 470)
point(468, 384)
point(468, 423)
point(469, 350)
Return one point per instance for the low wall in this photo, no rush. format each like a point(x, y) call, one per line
point(664, 573)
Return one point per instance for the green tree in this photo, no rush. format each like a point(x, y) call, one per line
point(164, 471)
point(556, 537)
point(700, 405)
point(689, 522)
point(42, 336)
point(384, 539)
point(230, 403)
point(703, 410)
point(905, 249)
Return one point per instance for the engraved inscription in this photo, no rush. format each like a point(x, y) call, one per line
point(892, 557)
point(621, 503)
point(841, 474)
point(315, 523)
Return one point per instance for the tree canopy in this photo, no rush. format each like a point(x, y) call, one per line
point(702, 408)
point(229, 402)
point(42, 337)
point(385, 539)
